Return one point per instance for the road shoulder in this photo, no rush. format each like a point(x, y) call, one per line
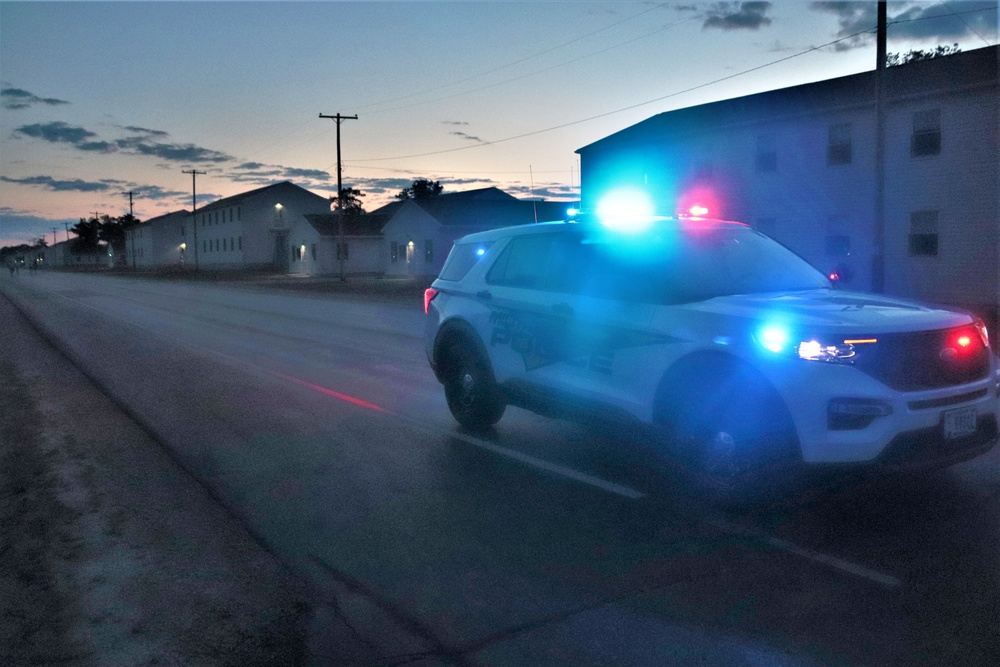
point(111, 553)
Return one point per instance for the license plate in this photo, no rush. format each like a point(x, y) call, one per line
point(959, 423)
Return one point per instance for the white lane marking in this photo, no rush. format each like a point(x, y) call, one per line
point(596, 482)
point(815, 556)
point(554, 468)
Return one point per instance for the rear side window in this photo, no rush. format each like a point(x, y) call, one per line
point(524, 263)
point(461, 259)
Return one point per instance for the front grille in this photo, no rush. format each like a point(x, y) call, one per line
point(915, 361)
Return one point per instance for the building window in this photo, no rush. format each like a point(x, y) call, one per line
point(428, 251)
point(767, 154)
point(394, 252)
point(182, 230)
point(342, 251)
point(313, 249)
point(204, 246)
point(838, 150)
point(240, 240)
point(924, 233)
point(926, 139)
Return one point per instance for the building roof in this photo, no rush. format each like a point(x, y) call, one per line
point(274, 188)
point(484, 207)
point(166, 216)
point(479, 194)
point(962, 71)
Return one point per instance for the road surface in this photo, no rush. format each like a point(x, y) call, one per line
point(319, 423)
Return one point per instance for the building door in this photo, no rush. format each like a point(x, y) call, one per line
point(281, 260)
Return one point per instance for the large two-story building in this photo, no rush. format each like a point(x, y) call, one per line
point(800, 164)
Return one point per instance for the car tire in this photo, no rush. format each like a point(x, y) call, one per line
point(735, 437)
point(475, 400)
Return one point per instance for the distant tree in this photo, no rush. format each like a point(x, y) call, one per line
point(912, 56)
point(112, 231)
point(351, 200)
point(87, 234)
point(421, 189)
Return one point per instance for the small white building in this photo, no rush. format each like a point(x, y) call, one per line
point(66, 255)
point(419, 233)
point(800, 165)
point(329, 245)
point(252, 229)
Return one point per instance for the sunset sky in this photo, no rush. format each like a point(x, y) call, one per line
point(100, 99)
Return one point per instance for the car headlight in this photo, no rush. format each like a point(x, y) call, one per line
point(780, 340)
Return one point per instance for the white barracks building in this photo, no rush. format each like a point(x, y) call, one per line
point(800, 165)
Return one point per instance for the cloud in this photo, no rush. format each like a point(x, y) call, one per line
point(312, 174)
point(17, 98)
point(56, 132)
point(259, 173)
point(55, 185)
point(145, 131)
point(81, 139)
point(944, 22)
point(156, 193)
point(927, 22)
point(19, 227)
point(467, 137)
point(173, 152)
point(738, 16)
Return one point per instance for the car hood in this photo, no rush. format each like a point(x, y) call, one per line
point(834, 309)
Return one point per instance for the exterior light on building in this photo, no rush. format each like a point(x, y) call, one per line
point(184, 246)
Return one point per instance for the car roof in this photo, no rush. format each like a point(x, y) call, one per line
point(589, 227)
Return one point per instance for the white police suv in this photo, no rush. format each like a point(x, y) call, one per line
point(737, 350)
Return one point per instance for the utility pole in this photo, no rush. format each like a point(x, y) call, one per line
point(129, 193)
point(194, 207)
point(878, 260)
point(340, 193)
point(54, 230)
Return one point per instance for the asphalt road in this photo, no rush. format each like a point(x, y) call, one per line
point(317, 420)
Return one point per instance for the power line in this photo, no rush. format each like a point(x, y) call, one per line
point(621, 110)
point(508, 65)
point(466, 79)
point(541, 71)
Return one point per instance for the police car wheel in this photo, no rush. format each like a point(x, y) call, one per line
point(473, 397)
point(724, 453)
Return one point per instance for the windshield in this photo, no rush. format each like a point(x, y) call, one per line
point(686, 265)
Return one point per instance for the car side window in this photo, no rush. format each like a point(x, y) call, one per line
point(462, 258)
point(524, 262)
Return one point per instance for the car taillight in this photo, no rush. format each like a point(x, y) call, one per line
point(429, 295)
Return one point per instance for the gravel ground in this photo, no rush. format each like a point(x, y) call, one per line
point(110, 554)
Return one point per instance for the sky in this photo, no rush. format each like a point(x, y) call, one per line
point(99, 100)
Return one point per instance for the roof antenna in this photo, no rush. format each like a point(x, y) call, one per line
point(534, 205)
